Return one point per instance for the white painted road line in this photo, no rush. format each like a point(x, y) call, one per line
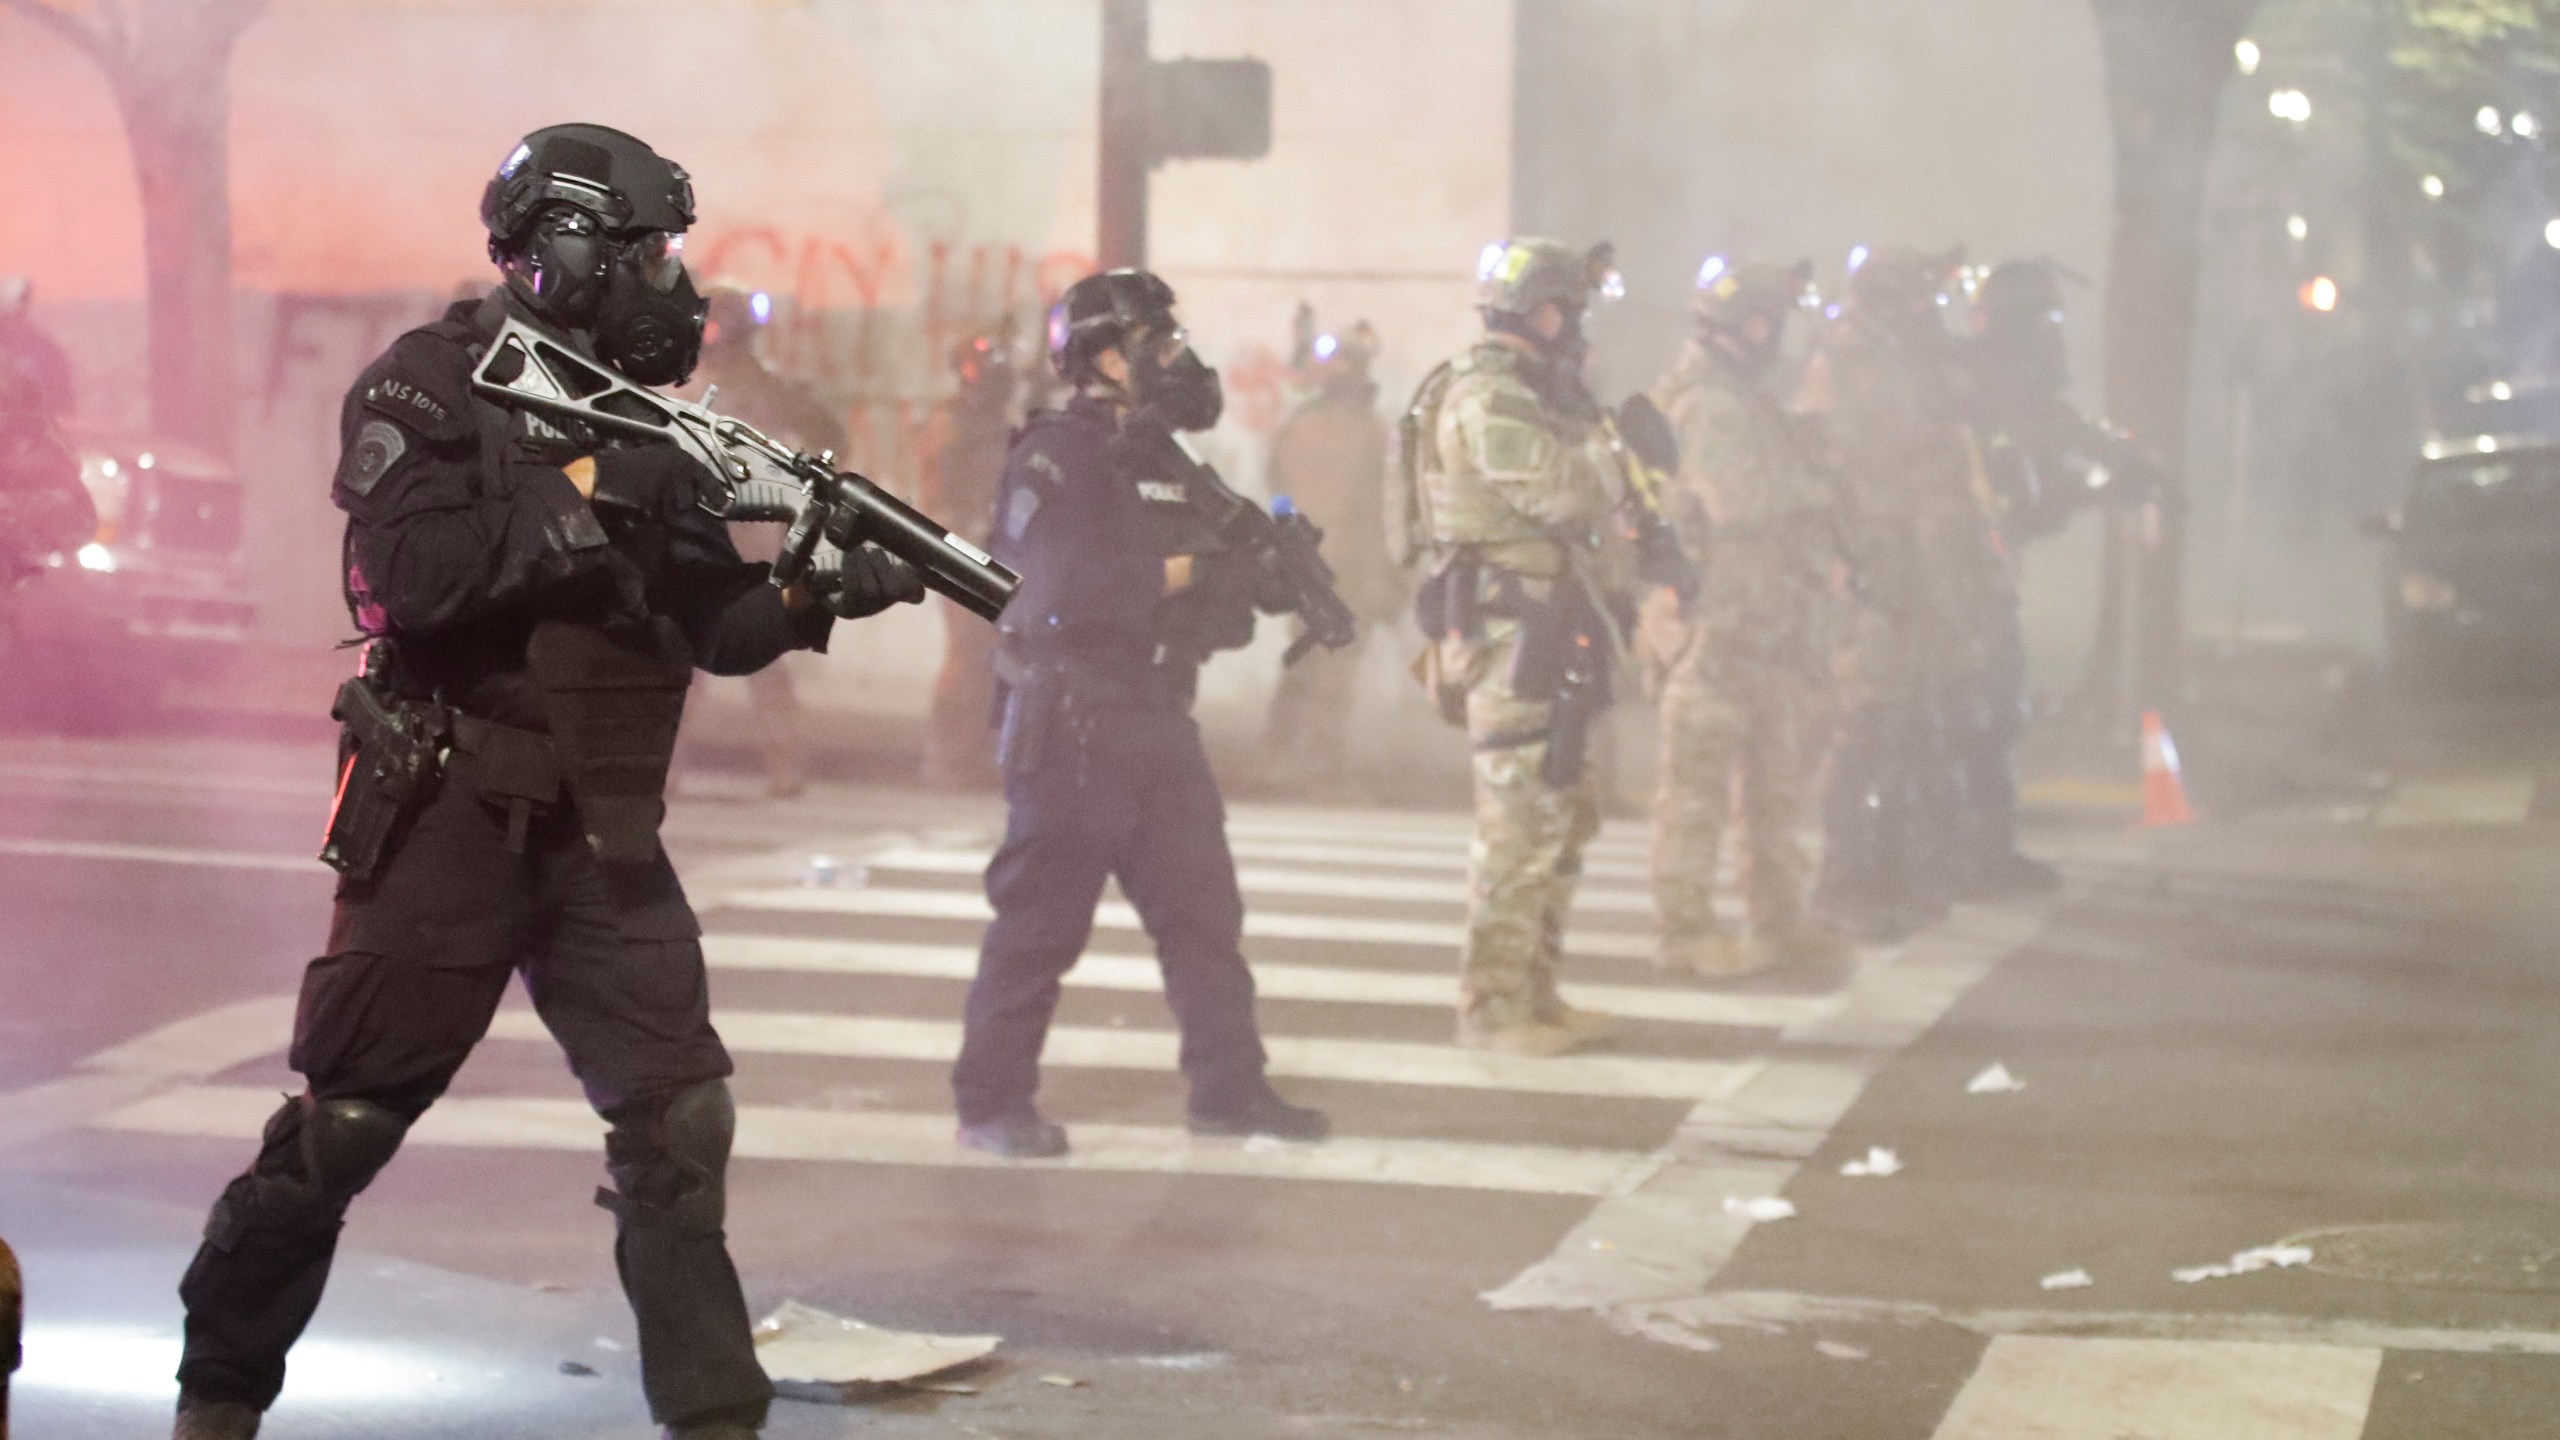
point(1668, 1236)
point(1341, 984)
point(195, 1048)
point(161, 855)
point(773, 1133)
point(1273, 880)
point(1400, 857)
point(1376, 1062)
point(1118, 915)
point(2052, 1388)
point(1450, 832)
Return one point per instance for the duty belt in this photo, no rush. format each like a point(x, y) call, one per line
point(519, 767)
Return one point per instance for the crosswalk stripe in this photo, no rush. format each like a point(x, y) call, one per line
point(162, 855)
point(776, 1133)
point(1450, 832)
point(1273, 981)
point(1404, 857)
point(1268, 880)
point(2071, 1388)
point(1118, 915)
point(1302, 1057)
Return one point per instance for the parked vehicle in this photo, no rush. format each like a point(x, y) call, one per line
point(159, 593)
point(2471, 580)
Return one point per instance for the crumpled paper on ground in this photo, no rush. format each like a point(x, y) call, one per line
point(1766, 1207)
point(2067, 1280)
point(2265, 1257)
point(1878, 1163)
point(1995, 1081)
point(812, 1354)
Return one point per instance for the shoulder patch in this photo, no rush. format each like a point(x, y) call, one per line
point(392, 395)
point(424, 384)
point(378, 446)
point(1516, 407)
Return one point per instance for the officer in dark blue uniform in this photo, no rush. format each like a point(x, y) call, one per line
point(1127, 588)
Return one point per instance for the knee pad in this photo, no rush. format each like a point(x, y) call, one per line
point(670, 1160)
point(319, 1154)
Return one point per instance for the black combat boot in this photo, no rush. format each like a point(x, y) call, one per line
point(201, 1419)
point(1263, 1113)
point(1016, 1137)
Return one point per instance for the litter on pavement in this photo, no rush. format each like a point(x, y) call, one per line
point(1879, 1162)
point(1838, 1351)
point(2265, 1257)
point(1766, 1207)
point(802, 1345)
point(1995, 1081)
point(2067, 1280)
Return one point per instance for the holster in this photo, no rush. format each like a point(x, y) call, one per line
point(390, 751)
point(615, 698)
point(1563, 659)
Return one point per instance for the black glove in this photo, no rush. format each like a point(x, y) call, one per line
point(647, 482)
point(864, 581)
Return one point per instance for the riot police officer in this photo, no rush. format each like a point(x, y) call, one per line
point(44, 509)
point(536, 598)
point(1507, 483)
point(1127, 587)
point(2044, 462)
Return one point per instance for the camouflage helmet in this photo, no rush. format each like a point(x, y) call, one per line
point(1731, 293)
point(1898, 281)
point(1515, 277)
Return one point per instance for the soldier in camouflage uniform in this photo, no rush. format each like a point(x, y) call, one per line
point(1507, 483)
point(1928, 570)
point(1330, 459)
point(964, 450)
point(1745, 657)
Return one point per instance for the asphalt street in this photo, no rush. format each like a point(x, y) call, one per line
point(2322, 1029)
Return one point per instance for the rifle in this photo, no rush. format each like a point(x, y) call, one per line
point(1639, 437)
point(758, 477)
point(1284, 543)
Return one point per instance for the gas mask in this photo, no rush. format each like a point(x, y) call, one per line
point(632, 293)
point(649, 324)
point(1183, 392)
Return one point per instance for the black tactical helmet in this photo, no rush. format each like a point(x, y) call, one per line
point(614, 177)
point(2019, 296)
point(588, 224)
point(1100, 311)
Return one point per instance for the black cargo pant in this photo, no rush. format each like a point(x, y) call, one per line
point(1098, 794)
point(415, 970)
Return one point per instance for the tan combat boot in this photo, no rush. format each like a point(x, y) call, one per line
point(1585, 1026)
point(1719, 955)
point(1534, 1039)
point(1802, 941)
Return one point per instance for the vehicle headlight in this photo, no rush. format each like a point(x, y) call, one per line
point(2425, 593)
point(94, 556)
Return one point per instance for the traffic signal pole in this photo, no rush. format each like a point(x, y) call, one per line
point(1125, 157)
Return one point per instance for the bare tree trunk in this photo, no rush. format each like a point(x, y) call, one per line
point(169, 64)
point(2167, 61)
point(180, 135)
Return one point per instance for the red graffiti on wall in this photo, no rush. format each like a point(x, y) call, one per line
point(850, 299)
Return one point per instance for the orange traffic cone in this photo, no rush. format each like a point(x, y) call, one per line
point(2164, 794)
